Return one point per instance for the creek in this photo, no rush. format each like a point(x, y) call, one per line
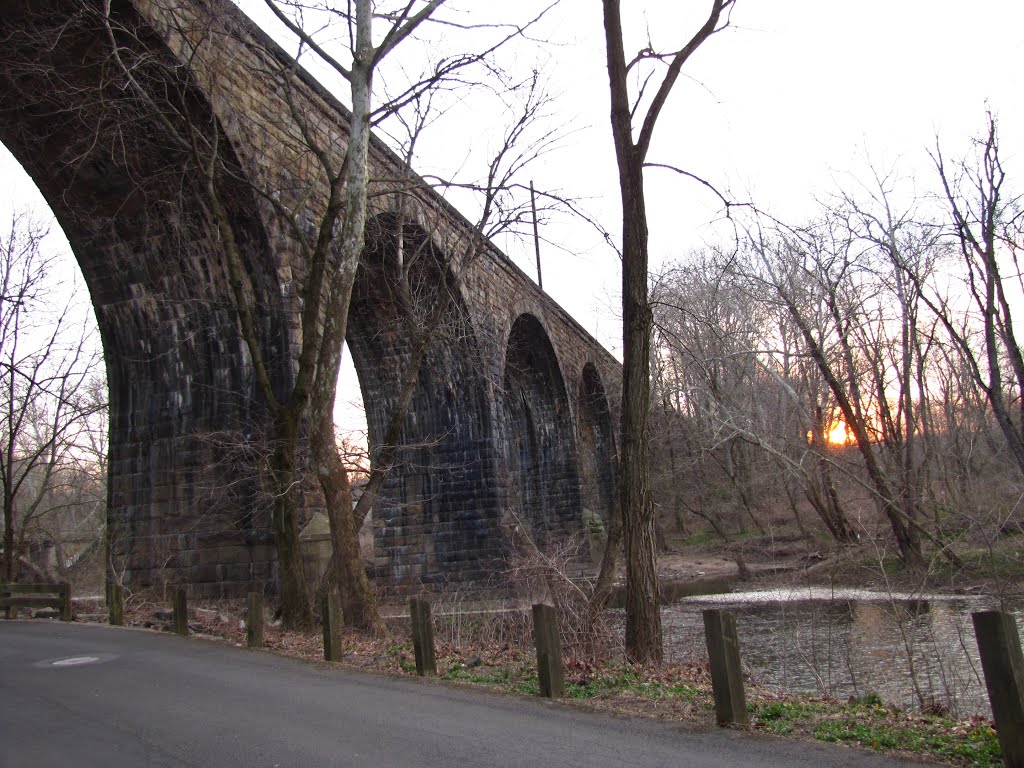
point(914, 650)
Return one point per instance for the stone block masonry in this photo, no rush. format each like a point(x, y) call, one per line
point(511, 422)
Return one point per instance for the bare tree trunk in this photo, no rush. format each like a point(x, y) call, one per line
point(906, 534)
point(826, 501)
point(678, 511)
point(358, 601)
point(606, 576)
point(295, 605)
point(643, 612)
point(9, 555)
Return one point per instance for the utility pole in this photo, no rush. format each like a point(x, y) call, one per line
point(536, 236)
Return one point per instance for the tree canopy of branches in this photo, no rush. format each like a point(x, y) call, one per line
point(868, 354)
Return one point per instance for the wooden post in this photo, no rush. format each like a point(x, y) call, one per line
point(115, 604)
point(254, 621)
point(180, 605)
point(550, 673)
point(12, 610)
point(330, 614)
point(65, 594)
point(726, 672)
point(1001, 660)
point(423, 638)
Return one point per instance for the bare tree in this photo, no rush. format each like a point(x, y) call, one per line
point(986, 225)
point(822, 259)
point(707, 339)
point(643, 613)
point(730, 366)
point(46, 362)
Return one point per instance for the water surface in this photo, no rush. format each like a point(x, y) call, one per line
point(915, 650)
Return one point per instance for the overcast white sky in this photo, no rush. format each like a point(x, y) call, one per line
point(788, 103)
point(777, 110)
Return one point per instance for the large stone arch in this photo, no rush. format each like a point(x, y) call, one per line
point(128, 199)
point(437, 519)
point(597, 444)
point(539, 446)
point(132, 206)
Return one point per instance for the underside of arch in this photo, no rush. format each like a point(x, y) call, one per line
point(130, 201)
point(540, 450)
point(436, 520)
point(597, 445)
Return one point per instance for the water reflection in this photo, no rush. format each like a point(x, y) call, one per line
point(917, 651)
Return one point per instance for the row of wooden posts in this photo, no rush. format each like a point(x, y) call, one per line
point(996, 633)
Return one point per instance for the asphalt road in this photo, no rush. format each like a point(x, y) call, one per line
point(90, 695)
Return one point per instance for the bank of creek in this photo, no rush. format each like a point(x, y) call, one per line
point(914, 650)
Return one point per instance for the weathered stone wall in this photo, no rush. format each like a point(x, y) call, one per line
point(495, 433)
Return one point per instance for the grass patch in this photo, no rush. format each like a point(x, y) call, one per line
point(585, 680)
point(868, 723)
point(700, 538)
point(1003, 563)
point(864, 722)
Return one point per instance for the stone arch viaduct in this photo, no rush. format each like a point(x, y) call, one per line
point(511, 422)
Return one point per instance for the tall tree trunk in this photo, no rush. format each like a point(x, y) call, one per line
point(295, 605)
point(643, 611)
point(358, 601)
point(9, 557)
point(359, 605)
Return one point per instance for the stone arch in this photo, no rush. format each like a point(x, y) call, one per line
point(540, 451)
point(436, 520)
point(597, 445)
point(128, 199)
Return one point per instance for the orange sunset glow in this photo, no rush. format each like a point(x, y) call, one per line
point(836, 434)
point(839, 434)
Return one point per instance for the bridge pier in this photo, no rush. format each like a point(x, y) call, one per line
point(511, 416)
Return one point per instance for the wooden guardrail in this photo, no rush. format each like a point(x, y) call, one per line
point(16, 596)
point(726, 669)
point(1003, 665)
point(423, 637)
point(550, 671)
point(254, 621)
point(330, 614)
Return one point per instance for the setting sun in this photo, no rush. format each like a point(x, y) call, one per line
point(838, 434)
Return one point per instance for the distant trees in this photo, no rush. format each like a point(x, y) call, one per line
point(871, 349)
point(52, 399)
point(987, 227)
